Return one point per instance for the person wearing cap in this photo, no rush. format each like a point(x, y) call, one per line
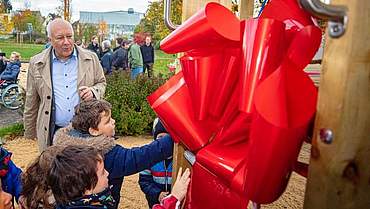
point(156, 181)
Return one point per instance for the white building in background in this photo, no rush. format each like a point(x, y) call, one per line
point(119, 22)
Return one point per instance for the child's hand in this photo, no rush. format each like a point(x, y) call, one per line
point(181, 185)
point(162, 195)
point(6, 200)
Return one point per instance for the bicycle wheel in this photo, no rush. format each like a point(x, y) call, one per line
point(12, 97)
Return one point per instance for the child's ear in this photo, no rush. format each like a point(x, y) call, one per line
point(94, 132)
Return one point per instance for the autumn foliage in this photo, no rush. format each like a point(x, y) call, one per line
point(153, 22)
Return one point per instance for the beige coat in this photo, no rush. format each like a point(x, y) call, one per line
point(38, 105)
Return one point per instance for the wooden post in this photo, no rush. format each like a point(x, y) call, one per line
point(246, 8)
point(189, 7)
point(339, 172)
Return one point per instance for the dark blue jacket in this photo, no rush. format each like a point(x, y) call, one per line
point(120, 161)
point(120, 59)
point(11, 182)
point(102, 200)
point(106, 61)
point(155, 180)
point(11, 71)
point(95, 48)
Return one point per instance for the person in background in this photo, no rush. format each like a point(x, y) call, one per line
point(119, 41)
point(56, 83)
point(94, 46)
point(135, 58)
point(48, 43)
point(2, 62)
point(119, 58)
point(147, 51)
point(106, 59)
point(156, 181)
point(10, 174)
point(79, 43)
point(12, 68)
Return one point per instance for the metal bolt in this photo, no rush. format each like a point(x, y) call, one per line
point(326, 135)
point(336, 29)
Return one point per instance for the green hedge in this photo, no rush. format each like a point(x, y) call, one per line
point(130, 108)
point(12, 130)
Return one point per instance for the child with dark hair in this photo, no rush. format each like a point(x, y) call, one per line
point(78, 179)
point(10, 176)
point(36, 192)
point(92, 125)
point(156, 181)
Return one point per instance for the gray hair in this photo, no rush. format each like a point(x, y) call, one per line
point(106, 44)
point(51, 23)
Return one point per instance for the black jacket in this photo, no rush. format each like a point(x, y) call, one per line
point(2, 66)
point(148, 53)
point(95, 48)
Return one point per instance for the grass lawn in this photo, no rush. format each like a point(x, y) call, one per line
point(14, 129)
point(161, 61)
point(26, 50)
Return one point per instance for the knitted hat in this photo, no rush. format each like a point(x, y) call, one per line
point(158, 128)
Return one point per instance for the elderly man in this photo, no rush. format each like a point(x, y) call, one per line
point(58, 79)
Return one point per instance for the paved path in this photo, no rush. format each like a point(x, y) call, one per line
point(8, 117)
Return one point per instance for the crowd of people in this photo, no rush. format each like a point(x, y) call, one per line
point(135, 56)
point(80, 165)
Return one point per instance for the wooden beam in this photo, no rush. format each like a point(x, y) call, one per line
point(246, 8)
point(339, 173)
point(178, 161)
point(189, 7)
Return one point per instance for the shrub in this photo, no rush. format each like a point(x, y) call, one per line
point(130, 108)
point(11, 131)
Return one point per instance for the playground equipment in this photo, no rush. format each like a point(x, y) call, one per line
point(242, 104)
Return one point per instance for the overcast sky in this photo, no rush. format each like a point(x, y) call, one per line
point(47, 6)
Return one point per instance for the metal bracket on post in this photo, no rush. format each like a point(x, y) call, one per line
point(167, 15)
point(190, 157)
point(336, 15)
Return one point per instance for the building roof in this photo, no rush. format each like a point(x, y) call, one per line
point(111, 18)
